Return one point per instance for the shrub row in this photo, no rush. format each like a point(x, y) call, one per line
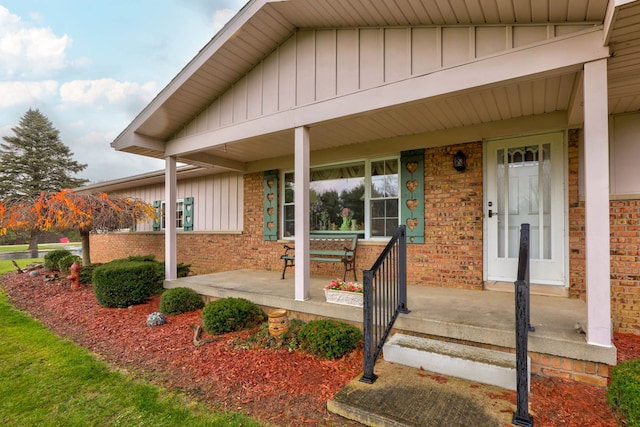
point(329, 339)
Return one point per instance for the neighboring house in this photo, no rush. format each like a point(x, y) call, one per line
point(368, 104)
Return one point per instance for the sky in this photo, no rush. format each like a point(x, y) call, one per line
point(91, 66)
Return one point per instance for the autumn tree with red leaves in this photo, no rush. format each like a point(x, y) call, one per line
point(34, 160)
point(67, 210)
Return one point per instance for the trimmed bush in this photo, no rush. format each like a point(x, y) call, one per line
point(328, 338)
point(123, 283)
point(180, 300)
point(52, 258)
point(231, 314)
point(65, 263)
point(86, 273)
point(624, 391)
point(183, 270)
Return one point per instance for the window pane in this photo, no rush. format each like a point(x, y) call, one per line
point(392, 208)
point(337, 197)
point(289, 223)
point(288, 188)
point(392, 226)
point(377, 208)
point(384, 178)
point(179, 213)
point(377, 227)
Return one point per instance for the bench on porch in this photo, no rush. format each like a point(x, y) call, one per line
point(327, 247)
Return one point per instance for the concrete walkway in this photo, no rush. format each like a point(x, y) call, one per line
point(403, 396)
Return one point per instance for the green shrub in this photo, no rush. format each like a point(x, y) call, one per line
point(180, 300)
point(150, 261)
point(52, 258)
point(624, 391)
point(231, 314)
point(86, 273)
point(149, 257)
point(65, 263)
point(328, 338)
point(123, 283)
point(183, 270)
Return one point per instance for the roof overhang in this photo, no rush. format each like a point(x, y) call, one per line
point(394, 109)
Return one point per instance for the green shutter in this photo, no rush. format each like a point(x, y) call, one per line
point(187, 215)
point(412, 194)
point(157, 205)
point(271, 205)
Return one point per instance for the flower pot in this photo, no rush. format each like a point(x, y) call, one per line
point(278, 322)
point(344, 297)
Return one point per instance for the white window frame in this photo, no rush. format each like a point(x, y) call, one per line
point(367, 195)
point(179, 214)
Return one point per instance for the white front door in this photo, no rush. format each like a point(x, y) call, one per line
point(526, 184)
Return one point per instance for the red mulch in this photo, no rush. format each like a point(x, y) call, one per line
point(283, 388)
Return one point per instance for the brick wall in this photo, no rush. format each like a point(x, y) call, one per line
point(452, 253)
point(625, 265)
point(577, 284)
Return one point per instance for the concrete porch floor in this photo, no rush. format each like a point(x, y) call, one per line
point(486, 317)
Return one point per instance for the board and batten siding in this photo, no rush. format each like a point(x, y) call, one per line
point(315, 65)
point(218, 201)
point(624, 151)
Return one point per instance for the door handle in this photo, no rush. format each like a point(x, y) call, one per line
point(492, 213)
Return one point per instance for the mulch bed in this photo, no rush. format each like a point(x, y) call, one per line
point(281, 387)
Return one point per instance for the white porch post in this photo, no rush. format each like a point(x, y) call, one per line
point(301, 191)
point(596, 185)
point(170, 235)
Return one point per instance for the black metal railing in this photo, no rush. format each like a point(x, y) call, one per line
point(385, 296)
point(522, 417)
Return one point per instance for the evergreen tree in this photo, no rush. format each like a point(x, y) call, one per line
point(35, 161)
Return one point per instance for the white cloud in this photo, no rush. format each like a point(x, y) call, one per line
point(6, 131)
point(97, 138)
point(110, 91)
point(24, 93)
point(221, 17)
point(27, 51)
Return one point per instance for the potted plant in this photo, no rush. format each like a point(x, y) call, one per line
point(348, 293)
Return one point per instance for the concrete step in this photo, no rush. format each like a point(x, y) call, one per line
point(456, 360)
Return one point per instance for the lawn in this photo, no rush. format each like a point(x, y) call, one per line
point(16, 248)
point(52, 382)
point(7, 266)
point(47, 381)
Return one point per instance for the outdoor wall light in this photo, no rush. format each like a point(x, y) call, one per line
point(459, 161)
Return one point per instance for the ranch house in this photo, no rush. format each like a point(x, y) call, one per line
point(460, 119)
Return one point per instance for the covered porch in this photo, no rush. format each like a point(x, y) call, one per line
point(479, 318)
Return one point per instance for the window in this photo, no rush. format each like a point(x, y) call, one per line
point(359, 196)
point(179, 214)
point(384, 198)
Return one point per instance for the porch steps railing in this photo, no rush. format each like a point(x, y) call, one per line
point(385, 297)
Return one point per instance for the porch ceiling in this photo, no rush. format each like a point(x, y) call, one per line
point(540, 95)
point(264, 24)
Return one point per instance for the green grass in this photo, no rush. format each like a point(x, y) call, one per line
point(6, 266)
point(624, 391)
point(15, 248)
point(47, 381)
